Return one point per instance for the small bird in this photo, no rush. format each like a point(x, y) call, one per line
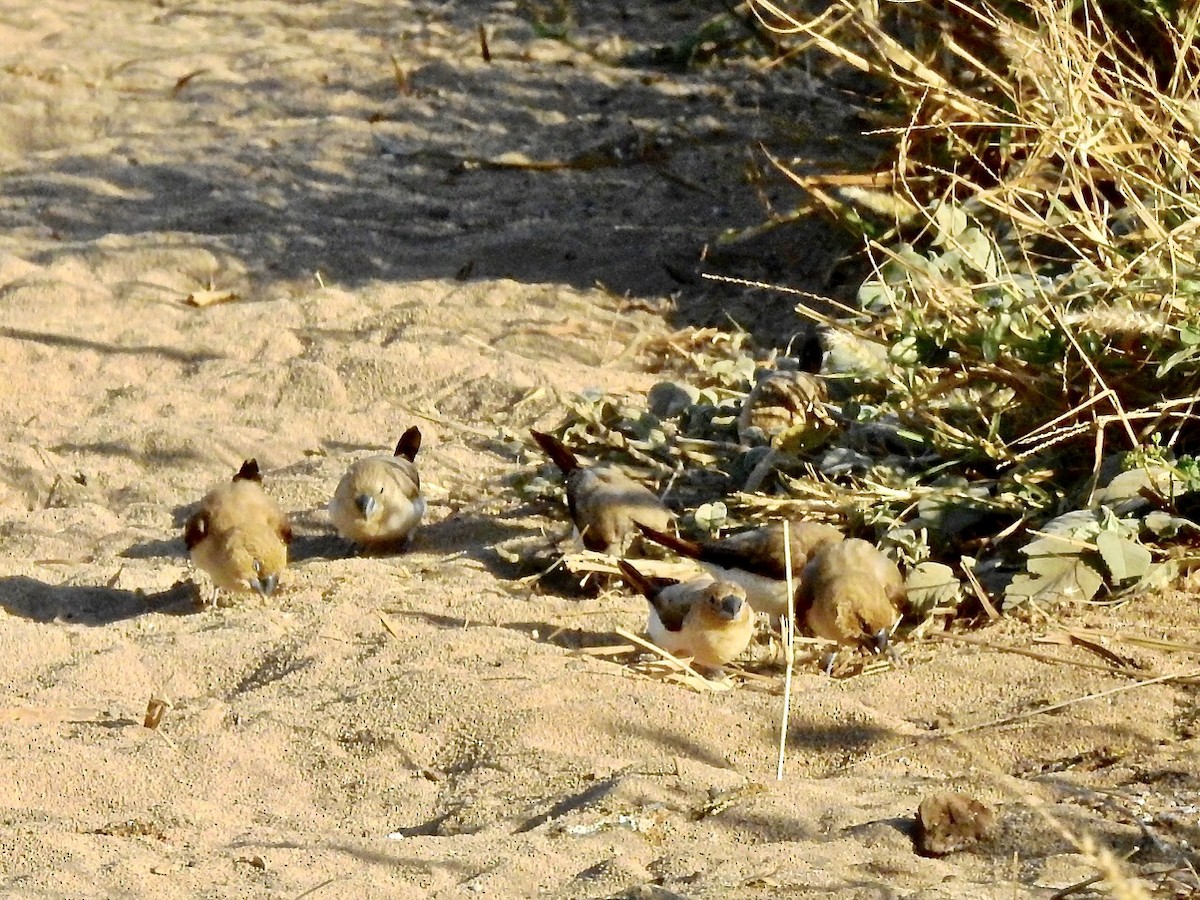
point(378, 502)
point(853, 594)
point(710, 621)
point(239, 535)
point(605, 503)
point(755, 558)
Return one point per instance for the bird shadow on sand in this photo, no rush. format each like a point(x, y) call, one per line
point(303, 547)
point(902, 825)
point(90, 605)
point(542, 632)
point(369, 854)
point(319, 546)
point(159, 548)
point(512, 546)
point(474, 534)
point(438, 620)
point(568, 637)
point(841, 739)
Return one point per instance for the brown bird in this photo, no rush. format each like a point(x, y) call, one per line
point(755, 558)
point(239, 535)
point(378, 502)
point(853, 594)
point(605, 503)
point(710, 621)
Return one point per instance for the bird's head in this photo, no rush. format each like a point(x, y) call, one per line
point(369, 486)
point(258, 561)
point(725, 601)
point(368, 503)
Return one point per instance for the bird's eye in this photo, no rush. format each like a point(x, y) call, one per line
point(257, 567)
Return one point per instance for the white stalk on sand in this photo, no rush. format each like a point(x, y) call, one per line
point(788, 631)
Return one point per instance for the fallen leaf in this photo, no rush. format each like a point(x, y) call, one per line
point(201, 299)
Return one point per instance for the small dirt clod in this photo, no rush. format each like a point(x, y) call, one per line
point(949, 822)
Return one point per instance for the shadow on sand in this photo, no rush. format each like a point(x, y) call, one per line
point(90, 605)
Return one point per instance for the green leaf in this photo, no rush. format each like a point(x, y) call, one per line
point(904, 352)
point(1056, 573)
point(876, 295)
point(932, 586)
point(1078, 523)
point(1165, 525)
point(979, 251)
point(990, 345)
point(1175, 359)
point(950, 222)
point(906, 263)
point(1158, 578)
point(711, 516)
point(1128, 485)
point(1125, 558)
point(1054, 580)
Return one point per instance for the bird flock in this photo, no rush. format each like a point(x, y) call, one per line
point(841, 589)
point(240, 536)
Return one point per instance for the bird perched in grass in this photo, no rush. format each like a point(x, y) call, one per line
point(604, 502)
point(853, 594)
point(378, 502)
point(755, 559)
point(709, 621)
point(239, 535)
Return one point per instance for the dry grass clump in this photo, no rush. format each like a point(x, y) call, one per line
point(1012, 406)
point(1031, 317)
point(1048, 290)
point(1016, 393)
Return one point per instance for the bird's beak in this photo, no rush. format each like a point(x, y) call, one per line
point(265, 586)
point(366, 504)
point(880, 640)
point(731, 606)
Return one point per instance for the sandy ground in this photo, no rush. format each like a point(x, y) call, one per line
point(425, 725)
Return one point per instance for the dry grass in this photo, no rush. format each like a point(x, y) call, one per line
point(1028, 330)
point(1037, 287)
point(1050, 169)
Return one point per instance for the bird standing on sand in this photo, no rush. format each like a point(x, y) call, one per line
point(853, 594)
point(378, 502)
point(755, 559)
point(239, 535)
point(710, 621)
point(605, 503)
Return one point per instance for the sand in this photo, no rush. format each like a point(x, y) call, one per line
point(355, 180)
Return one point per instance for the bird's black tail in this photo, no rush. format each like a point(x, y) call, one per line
point(557, 451)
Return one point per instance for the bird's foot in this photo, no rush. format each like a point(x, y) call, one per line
point(827, 665)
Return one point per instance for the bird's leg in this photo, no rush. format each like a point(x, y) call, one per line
point(881, 642)
point(208, 595)
point(827, 668)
